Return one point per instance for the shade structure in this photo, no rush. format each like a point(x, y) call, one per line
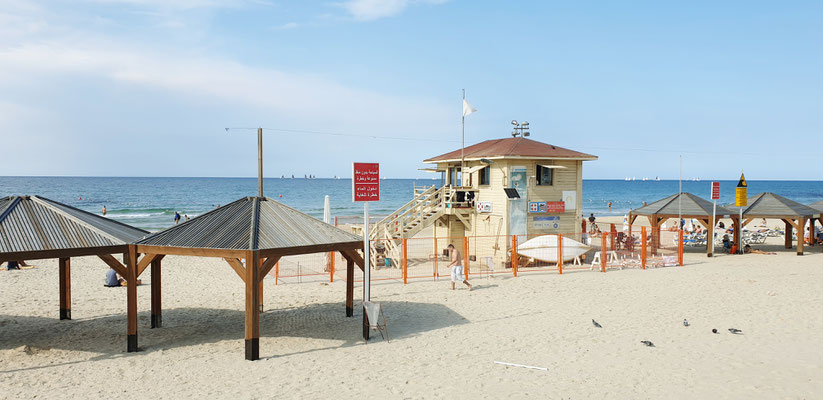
point(770, 205)
point(34, 227)
point(817, 206)
point(258, 230)
point(683, 205)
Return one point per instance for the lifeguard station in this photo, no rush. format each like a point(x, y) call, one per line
point(511, 186)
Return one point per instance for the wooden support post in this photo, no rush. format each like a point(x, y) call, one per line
point(812, 237)
point(252, 306)
point(515, 257)
point(603, 252)
point(64, 265)
point(331, 267)
point(156, 303)
point(643, 247)
point(680, 246)
point(405, 261)
point(466, 260)
point(349, 287)
point(261, 277)
point(559, 254)
point(788, 236)
point(710, 237)
point(131, 297)
point(612, 234)
point(276, 272)
point(801, 223)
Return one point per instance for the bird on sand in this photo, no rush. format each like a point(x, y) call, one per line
point(685, 322)
point(647, 343)
point(735, 331)
point(596, 325)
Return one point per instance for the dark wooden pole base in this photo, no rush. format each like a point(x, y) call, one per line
point(156, 321)
point(65, 314)
point(349, 311)
point(365, 326)
point(253, 349)
point(132, 339)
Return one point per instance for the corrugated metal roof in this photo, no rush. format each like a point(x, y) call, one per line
point(513, 147)
point(817, 206)
point(251, 223)
point(772, 205)
point(686, 204)
point(33, 223)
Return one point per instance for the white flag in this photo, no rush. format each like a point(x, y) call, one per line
point(467, 108)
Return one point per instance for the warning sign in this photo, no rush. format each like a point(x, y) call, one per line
point(741, 192)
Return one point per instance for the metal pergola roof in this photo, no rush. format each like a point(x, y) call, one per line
point(253, 223)
point(817, 206)
point(34, 227)
point(770, 205)
point(685, 204)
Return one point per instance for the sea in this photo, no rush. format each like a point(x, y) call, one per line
point(150, 203)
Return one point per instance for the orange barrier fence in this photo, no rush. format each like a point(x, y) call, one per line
point(405, 260)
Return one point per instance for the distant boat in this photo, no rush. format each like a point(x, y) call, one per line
point(627, 179)
point(292, 176)
point(544, 248)
point(633, 178)
point(657, 179)
point(645, 179)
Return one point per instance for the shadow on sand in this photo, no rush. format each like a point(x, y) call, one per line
point(106, 335)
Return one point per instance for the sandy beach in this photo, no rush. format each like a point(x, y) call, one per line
point(443, 343)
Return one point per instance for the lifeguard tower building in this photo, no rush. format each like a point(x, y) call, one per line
point(512, 186)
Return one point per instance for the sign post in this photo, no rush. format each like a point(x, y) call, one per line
point(741, 200)
point(715, 196)
point(366, 188)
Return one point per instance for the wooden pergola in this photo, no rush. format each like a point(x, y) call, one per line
point(683, 205)
point(792, 213)
point(36, 228)
point(251, 235)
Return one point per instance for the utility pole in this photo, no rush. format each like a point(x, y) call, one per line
point(260, 162)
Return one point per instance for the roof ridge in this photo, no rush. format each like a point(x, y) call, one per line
point(95, 215)
point(74, 219)
point(254, 235)
point(13, 203)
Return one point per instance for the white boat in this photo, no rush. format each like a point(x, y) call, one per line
point(544, 248)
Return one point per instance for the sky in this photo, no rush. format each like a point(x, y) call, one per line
point(148, 87)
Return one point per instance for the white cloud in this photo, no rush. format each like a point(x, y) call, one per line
point(370, 10)
point(287, 26)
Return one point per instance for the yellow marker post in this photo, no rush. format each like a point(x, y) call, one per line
point(741, 200)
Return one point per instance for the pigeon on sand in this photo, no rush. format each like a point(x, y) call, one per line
point(596, 325)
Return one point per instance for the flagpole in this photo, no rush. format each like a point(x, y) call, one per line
point(463, 141)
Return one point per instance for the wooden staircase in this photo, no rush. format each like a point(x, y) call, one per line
point(422, 211)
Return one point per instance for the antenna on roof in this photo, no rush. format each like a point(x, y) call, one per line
point(520, 129)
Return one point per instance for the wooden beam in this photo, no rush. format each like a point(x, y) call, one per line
point(191, 251)
point(356, 257)
point(317, 248)
point(131, 298)
point(146, 261)
point(64, 265)
point(747, 221)
point(252, 306)
point(156, 304)
point(114, 264)
point(237, 266)
point(61, 253)
point(801, 223)
point(268, 265)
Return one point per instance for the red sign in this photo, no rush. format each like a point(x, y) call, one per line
point(365, 182)
point(715, 190)
point(555, 206)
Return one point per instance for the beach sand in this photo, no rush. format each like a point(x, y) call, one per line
point(443, 343)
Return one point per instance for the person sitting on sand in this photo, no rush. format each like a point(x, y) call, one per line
point(457, 267)
point(749, 250)
point(728, 245)
point(113, 279)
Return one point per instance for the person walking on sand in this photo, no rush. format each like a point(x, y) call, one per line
point(457, 267)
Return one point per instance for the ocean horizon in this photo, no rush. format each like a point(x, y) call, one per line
point(150, 202)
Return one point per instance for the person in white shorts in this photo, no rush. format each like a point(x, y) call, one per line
point(457, 267)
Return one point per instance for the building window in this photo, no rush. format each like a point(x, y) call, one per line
point(544, 175)
point(485, 176)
